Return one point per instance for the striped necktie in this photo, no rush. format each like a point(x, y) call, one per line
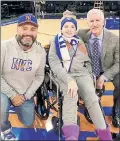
point(96, 58)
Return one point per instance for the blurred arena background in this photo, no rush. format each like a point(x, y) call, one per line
point(48, 14)
point(46, 11)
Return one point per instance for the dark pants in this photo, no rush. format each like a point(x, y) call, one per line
point(116, 98)
point(116, 93)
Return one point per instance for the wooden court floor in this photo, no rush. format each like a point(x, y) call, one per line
point(46, 31)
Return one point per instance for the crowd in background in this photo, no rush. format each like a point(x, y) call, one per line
point(16, 8)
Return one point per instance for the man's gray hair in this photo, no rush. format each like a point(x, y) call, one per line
point(95, 11)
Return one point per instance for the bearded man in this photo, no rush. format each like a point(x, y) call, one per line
point(22, 72)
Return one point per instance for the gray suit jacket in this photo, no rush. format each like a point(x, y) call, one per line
point(110, 51)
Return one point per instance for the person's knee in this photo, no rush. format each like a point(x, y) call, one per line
point(28, 121)
point(69, 99)
point(91, 104)
point(5, 102)
point(91, 98)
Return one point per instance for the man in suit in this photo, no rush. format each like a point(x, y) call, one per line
point(108, 56)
